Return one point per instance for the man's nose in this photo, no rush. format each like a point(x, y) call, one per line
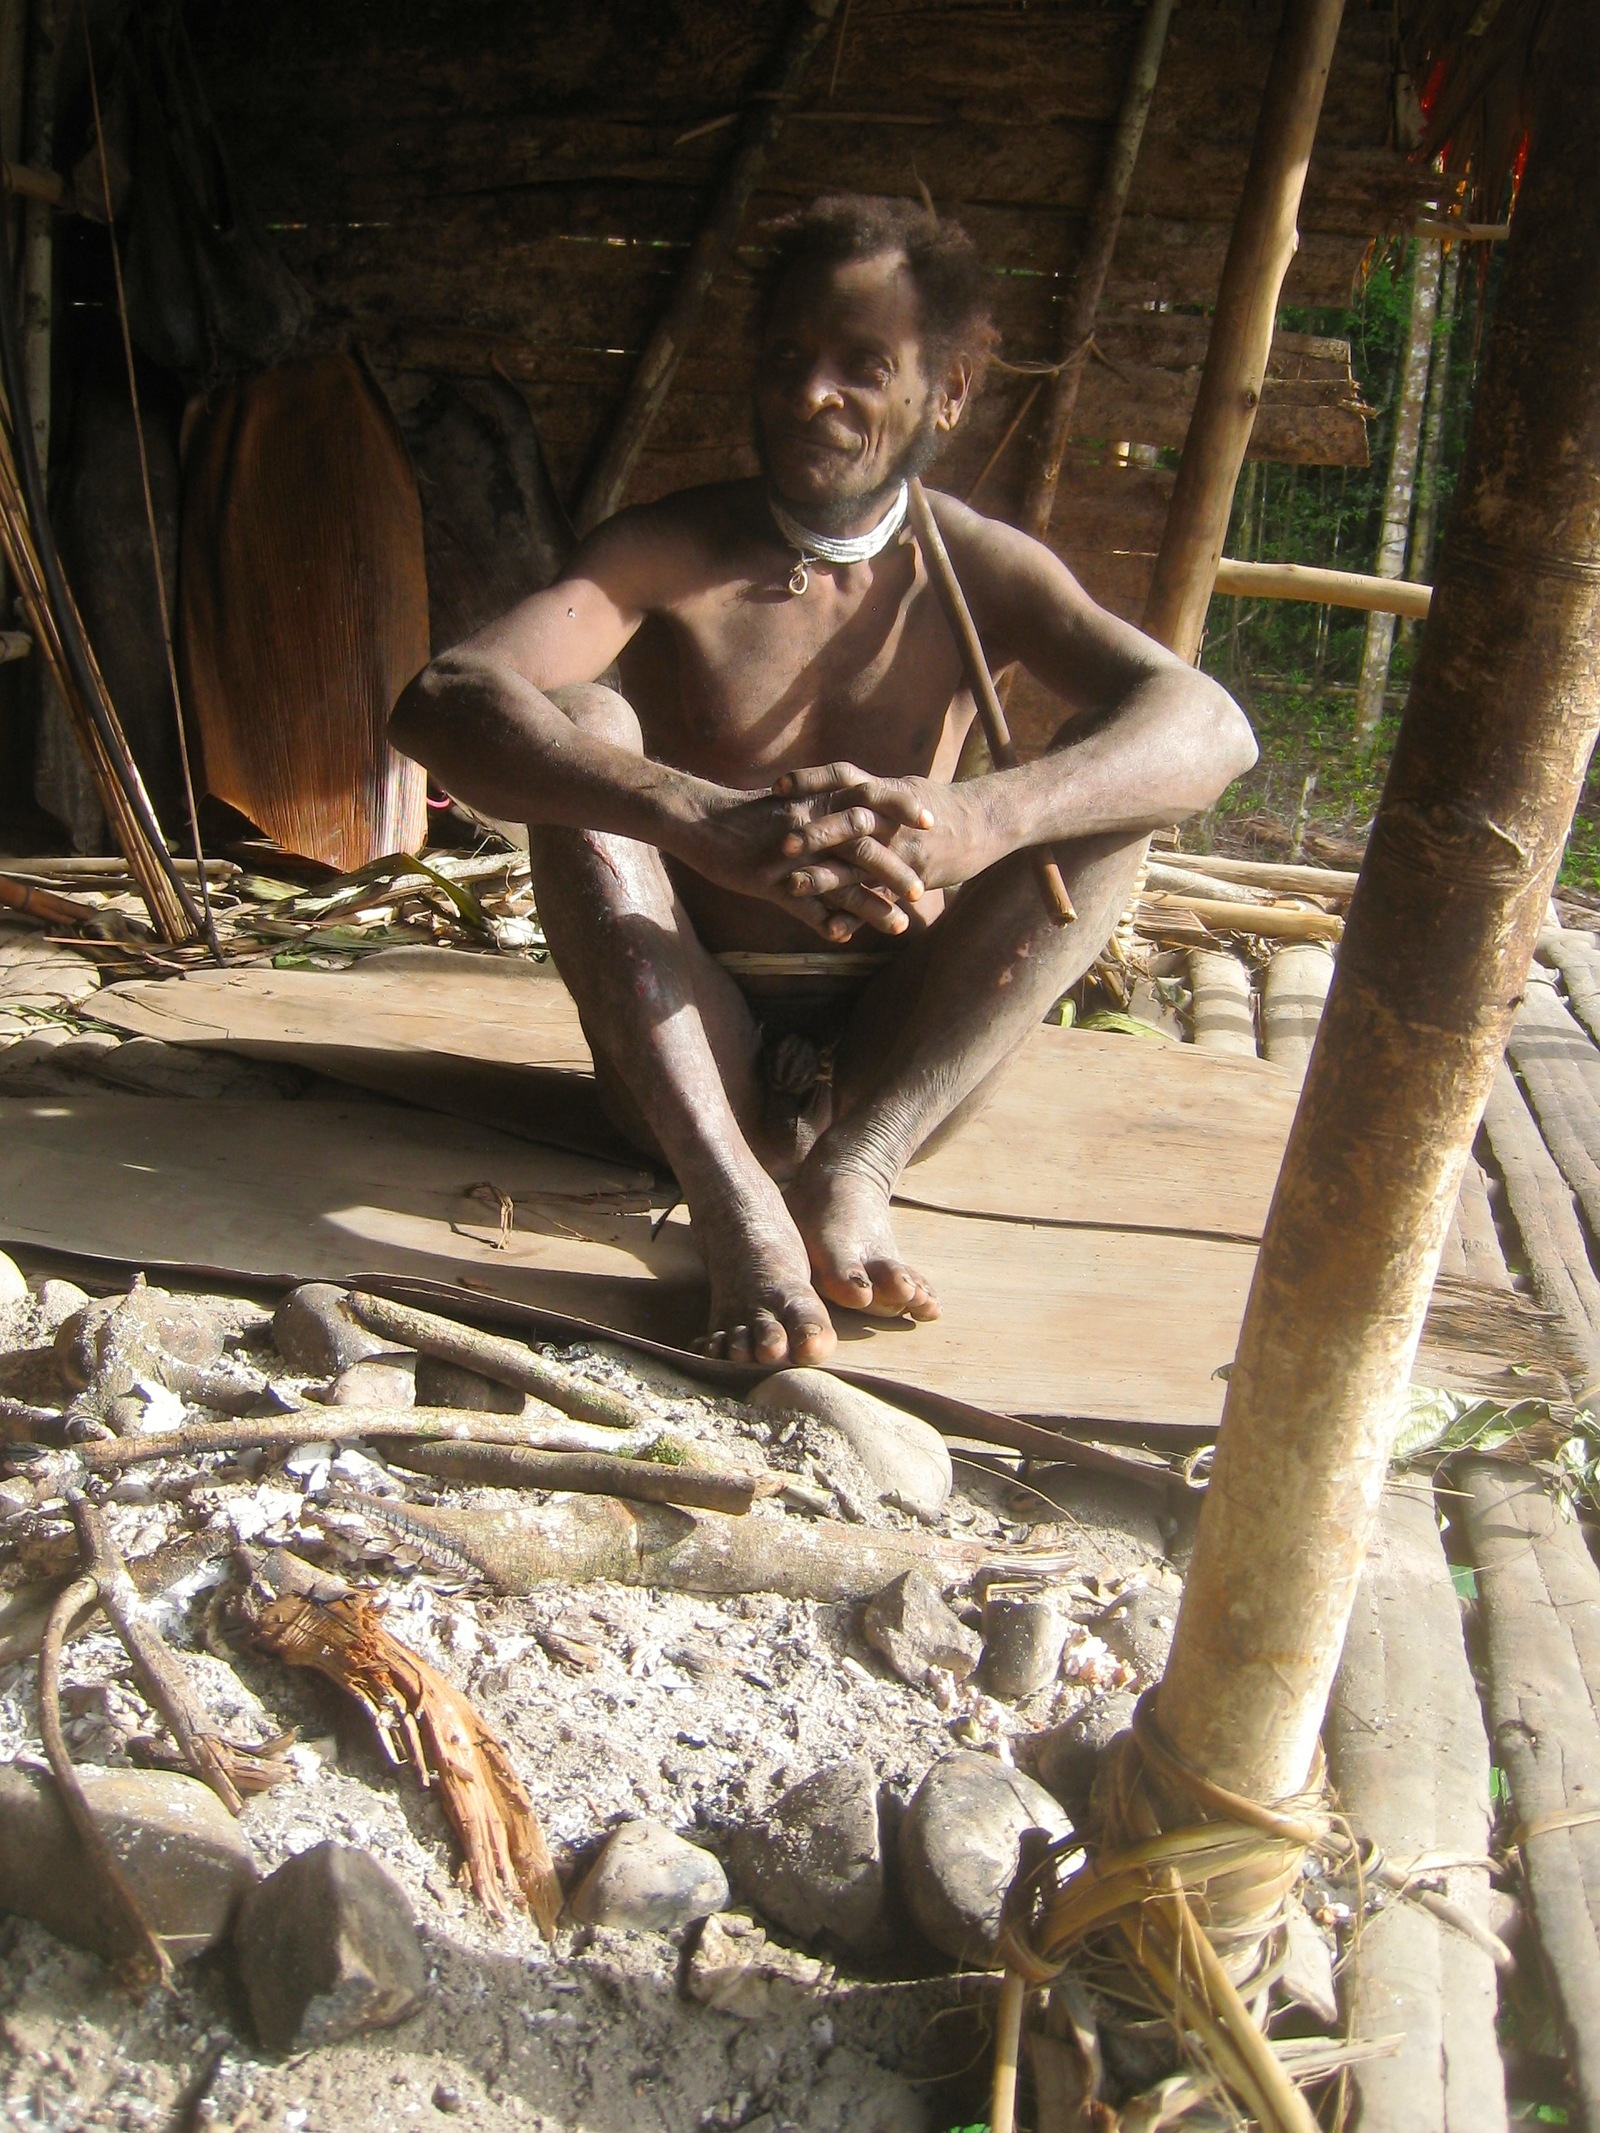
point(818, 389)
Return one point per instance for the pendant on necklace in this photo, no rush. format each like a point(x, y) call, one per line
point(799, 577)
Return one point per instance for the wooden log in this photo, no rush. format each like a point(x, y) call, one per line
point(806, 27)
point(1184, 880)
point(1328, 588)
point(1270, 874)
point(1573, 954)
point(1559, 1270)
point(1410, 1765)
point(38, 229)
point(1473, 1251)
point(507, 1362)
point(1259, 253)
point(1539, 1596)
point(1464, 849)
point(1094, 263)
point(1223, 1012)
point(521, 1466)
point(23, 182)
point(1293, 995)
point(1559, 1069)
point(1268, 922)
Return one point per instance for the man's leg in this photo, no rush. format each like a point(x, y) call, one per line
point(673, 1038)
point(926, 1040)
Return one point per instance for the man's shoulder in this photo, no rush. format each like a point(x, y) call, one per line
point(706, 516)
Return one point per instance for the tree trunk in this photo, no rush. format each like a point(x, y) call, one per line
point(1431, 465)
point(1391, 561)
point(1469, 832)
point(1259, 253)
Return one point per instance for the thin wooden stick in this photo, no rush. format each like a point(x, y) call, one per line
point(1328, 588)
point(224, 1765)
point(520, 1466)
point(1007, 2041)
point(979, 680)
point(139, 1950)
point(508, 1362)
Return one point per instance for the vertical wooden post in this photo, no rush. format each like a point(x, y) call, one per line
point(1431, 464)
point(1469, 832)
point(1259, 253)
point(38, 225)
point(1088, 284)
point(652, 379)
point(1411, 393)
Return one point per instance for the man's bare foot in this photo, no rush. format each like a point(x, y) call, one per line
point(843, 1215)
point(763, 1307)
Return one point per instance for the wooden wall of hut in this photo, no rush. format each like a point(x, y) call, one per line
point(468, 185)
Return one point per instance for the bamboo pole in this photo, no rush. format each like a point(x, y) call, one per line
point(1094, 263)
point(1259, 253)
point(1332, 588)
point(1469, 832)
point(1431, 464)
point(38, 226)
point(1410, 399)
point(807, 26)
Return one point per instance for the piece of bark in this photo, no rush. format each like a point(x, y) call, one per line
point(507, 1466)
point(228, 1767)
point(1473, 1251)
point(1410, 1765)
point(1541, 1206)
point(508, 1362)
point(1539, 1594)
point(581, 1538)
point(422, 1720)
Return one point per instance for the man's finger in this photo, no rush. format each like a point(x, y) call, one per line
point(831, 832)
point(834, 925)
point(866, 860)
point(825, 777)
point(877, 911)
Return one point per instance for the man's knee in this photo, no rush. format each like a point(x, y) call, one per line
point(601, 711)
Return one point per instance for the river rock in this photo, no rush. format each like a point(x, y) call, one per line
point(738, 1971)
point(650, 1879)
point(959, 1845)
point(13, 1289)
point(183, 1853)
point(907, 1459)
point(814, 1864)
point(386, 1380)
point(1023, 1633)
point(449, 1385)
point(1066, 1758)
point(1138, 1627)
point(909, 1623)
point(327, 1949)
point(56, 1301)
point(316, 1335)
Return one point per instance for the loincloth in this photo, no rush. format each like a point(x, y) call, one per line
point(802, 1002)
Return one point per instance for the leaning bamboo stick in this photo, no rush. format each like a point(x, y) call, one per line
point(1269, 874)
point(991, 712)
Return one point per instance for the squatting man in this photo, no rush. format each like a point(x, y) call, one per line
point(801, 954)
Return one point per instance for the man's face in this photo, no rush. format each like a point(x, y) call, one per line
point(844, 408)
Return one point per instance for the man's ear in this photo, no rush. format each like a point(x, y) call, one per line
point(954, 391)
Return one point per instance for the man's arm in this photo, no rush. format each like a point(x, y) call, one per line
point(1155, 740)
point(478, 717)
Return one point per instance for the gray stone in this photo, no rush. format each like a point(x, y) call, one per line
point(909, 1623)
point(113, 1343)
point(56, 1301)
point(449, 1385)
point(316, 1335)
point(650, 1879)
point(1023, 1633)
point(814, 1865)
point(1066, 1758)
point(906, 1457)
point(959, 1845)
point(13, 1289)
point(327, 1949)
point(388, 1380)
point(183, 1853)
point(1137, 1628)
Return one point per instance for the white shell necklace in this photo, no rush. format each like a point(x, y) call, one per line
point(827, 548)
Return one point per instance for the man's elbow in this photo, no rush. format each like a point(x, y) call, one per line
point(419, 716)
point(1231, 743)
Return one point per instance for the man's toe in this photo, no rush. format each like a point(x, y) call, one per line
point(810, 1341)
point(771, 1340)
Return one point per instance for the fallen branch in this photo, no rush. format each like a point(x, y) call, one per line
point(229, 1768)
point(308, 1619)
point(322, 1425)
point(508, 1466)
point(140, 1955)
point(1268, 922)
point(492, 1355)
point(582, 1538)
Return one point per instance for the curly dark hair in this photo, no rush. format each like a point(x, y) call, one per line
point(952, 290)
